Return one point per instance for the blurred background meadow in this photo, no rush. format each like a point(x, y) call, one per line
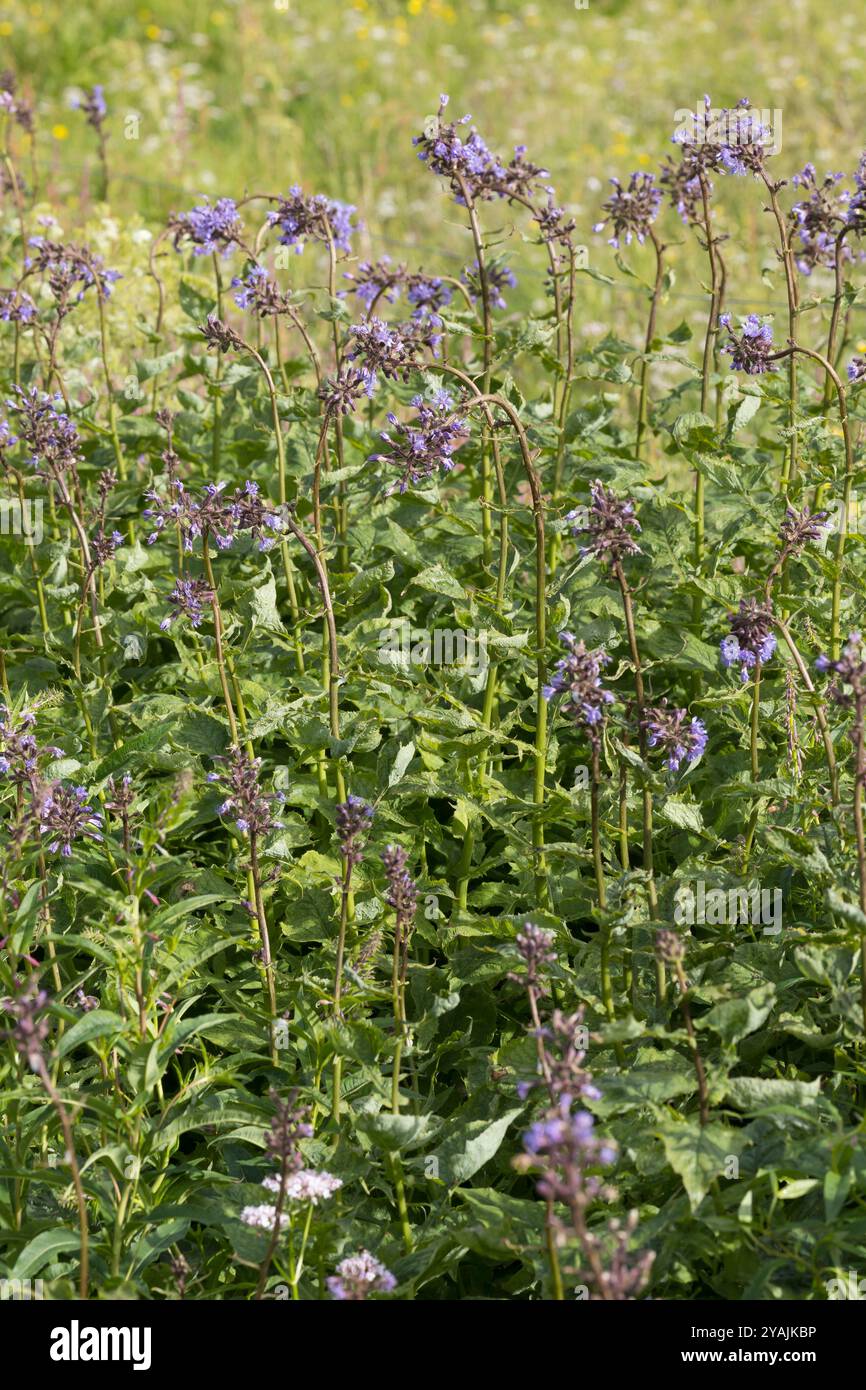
point(245, 96)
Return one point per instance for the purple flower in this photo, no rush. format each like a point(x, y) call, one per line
point(798, 529)
point(354, 818)
point(27, 1007)
point(187, 600)
point(746, 140)
point(819, 218)
point(70, 271)
point(92, 104)
point(213, 514)
point(535, 946)
point(855, 216)
point(392, 351)
point(20, 754)
point(751, 639)
point(251, 808)
point(257, 291)
point(679, 738)
point(499, 279)
point(750, 348)
point(65, 815)
point(606, 524)
point(402, 893)
point(857, 369)
point(375, 280)
point(341, 393)
point(358, 1276)
point(632, 210)
point(301, 218)
point(850, 671)
point(16, 307)
point(577, 677)
point(209, 227)
point(471, 169)
point(420, 449)
point(427, 294)
point(45, 428)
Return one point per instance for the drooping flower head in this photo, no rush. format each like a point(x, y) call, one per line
point(680, 738)
point(207, 228)
point(819, 217)
point(499, 279)
point(606, 525)
point(302, 217)
point(474, 173)
point(45, 428)
point(392, 351)
point(256, 290)
point(632, 210)
point(425, 446)
point(750, 347)
point(751, 639)
point(70, 271)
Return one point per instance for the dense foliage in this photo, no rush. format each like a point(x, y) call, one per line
point(433, 747)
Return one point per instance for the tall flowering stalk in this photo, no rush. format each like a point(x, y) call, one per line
point(93, 107)
point(577, 683)
point(631, 211)
point(564, 1151)
point(252, 810)
point(220, 336)
point(354, 818)
point(402, 896)
point(215, 230)
point(27, 1009)
point(744, 153)
point(689, 189)
point(847, 689)
point(289, 1125)
point(671, 950)
point(608, 525)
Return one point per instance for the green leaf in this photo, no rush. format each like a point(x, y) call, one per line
point(736, 1018)
point(466, 1147)
point(699, 1154)
point(100, 1023)
point(43, 1248)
